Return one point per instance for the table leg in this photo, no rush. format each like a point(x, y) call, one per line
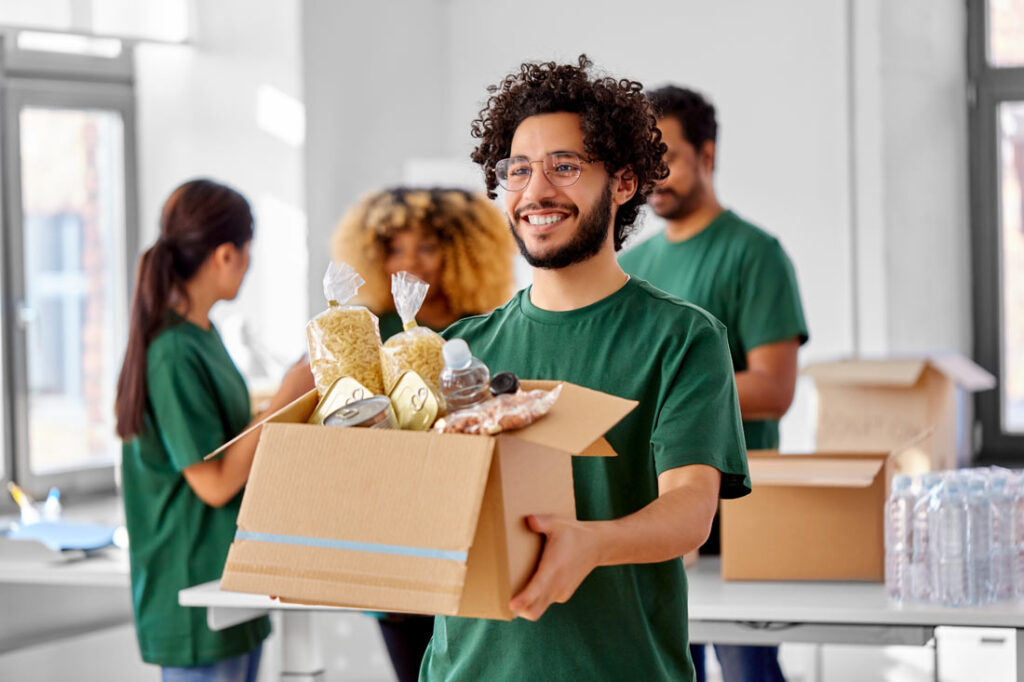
point(301, 656)
point(1019, 633)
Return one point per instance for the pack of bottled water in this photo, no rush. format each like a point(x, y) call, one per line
point(955, 538)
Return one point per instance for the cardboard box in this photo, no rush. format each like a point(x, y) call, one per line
point(818, 516)
point(879, 404)
point(409, 521)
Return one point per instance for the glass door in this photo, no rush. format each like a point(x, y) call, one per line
point(70, 209)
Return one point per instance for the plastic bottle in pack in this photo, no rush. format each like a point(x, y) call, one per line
point(899, 516)
point(1003, 536)
point(947, 528)
point(979, 539)
point(465, 381)
point(922, 571)
point(1017, 485)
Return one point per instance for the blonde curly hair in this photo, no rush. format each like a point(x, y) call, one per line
point(476, 246)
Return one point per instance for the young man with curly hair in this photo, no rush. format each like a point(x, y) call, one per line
point(577, 154)
point(739, 273)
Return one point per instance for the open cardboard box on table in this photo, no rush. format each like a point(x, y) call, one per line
point(817, 516)
point(408, 521)
point(877, 404)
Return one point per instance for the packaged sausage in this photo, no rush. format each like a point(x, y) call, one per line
point(344, 340)
point(416, 349)
point(504, 412)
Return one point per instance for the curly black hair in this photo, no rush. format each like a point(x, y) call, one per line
point(619, 127)
point(696, 115)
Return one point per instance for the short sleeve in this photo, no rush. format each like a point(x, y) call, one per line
point(698, 421)
point(770, 310)
point(185, 407)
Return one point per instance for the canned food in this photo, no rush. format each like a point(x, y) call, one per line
point(374, 412)
point(343, 391)
point(416, 403)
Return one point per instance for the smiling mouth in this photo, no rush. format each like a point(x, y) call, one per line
point(545, 219)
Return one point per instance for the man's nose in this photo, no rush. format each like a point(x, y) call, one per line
point(538, 188)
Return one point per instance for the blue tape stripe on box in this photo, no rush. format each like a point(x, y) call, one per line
point(400, 550)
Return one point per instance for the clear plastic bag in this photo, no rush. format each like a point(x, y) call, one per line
point(505, 412)
point(417, 348)
point(344, 340)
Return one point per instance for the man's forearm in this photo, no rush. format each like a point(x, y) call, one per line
point(675, 523)
point(762, 395)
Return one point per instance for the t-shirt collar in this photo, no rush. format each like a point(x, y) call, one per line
point(566, 316)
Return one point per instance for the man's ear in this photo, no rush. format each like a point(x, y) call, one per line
point(624, 186)
point(707, 156)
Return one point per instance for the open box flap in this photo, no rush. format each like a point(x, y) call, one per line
point(894, 372)
point(578, 420)
point(832, 469)
point(295, 412)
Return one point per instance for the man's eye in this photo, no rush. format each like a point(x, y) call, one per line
point(566, 168)
point(519, 170)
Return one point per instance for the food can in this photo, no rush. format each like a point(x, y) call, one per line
point(374, 412)
point(416, 403)
point(344, 391)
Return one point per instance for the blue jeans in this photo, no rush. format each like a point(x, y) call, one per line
point(238, 669)
point(741, 663)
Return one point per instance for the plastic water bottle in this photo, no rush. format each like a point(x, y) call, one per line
point(1004, 549)
point(899, 519)
point(465, 381)
point(979, 540)
point(947, 525)
point(1018, 525)
point(922, 571)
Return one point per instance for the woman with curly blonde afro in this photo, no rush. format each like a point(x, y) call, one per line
point(459, 243)
point(456, 241)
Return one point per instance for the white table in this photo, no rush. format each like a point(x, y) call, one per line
point(727, 612)
point(741, 612)
point(301, 655)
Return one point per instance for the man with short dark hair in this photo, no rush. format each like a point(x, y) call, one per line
point(711, 257)
point(577, 154)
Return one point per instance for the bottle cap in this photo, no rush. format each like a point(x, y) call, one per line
point(504, 382)
point(456, 354)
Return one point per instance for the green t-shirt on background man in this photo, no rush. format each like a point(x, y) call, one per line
point(741, 275)
point(197, 400)
point(630, 621)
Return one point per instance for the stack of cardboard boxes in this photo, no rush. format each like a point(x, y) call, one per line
point(820, 516)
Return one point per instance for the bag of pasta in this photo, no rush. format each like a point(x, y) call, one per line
point(417, 348)
point(344, 340)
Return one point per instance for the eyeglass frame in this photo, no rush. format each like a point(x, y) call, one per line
point(544, 169)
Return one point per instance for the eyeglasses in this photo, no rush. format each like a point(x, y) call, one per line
point(562, 169)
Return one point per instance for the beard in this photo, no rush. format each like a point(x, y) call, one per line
point(588, 240)
point(682, 205)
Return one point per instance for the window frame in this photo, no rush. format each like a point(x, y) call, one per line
point(989, 87)
point(68, 82)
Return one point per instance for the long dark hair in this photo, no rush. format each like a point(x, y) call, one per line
point(199, 216)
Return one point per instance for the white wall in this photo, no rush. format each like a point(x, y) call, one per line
point(375, 82)
point(229, 107)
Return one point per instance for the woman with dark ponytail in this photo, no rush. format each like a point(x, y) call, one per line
point(179, 397)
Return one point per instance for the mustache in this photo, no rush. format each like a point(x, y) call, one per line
point(665, 190)
point(572, 210)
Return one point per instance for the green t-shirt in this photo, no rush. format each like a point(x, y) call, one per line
point(196, 400)
point(738, 273)
point(624, 622)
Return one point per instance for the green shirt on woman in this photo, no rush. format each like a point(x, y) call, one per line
point(196, 401)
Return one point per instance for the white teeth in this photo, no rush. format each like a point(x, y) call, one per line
point(544, 220)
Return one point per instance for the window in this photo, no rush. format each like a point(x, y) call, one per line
point(996, 69)
point(68, 190)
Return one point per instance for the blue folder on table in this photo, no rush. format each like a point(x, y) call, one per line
point(64, 535)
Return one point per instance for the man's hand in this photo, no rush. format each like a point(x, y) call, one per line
point(570, 553)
